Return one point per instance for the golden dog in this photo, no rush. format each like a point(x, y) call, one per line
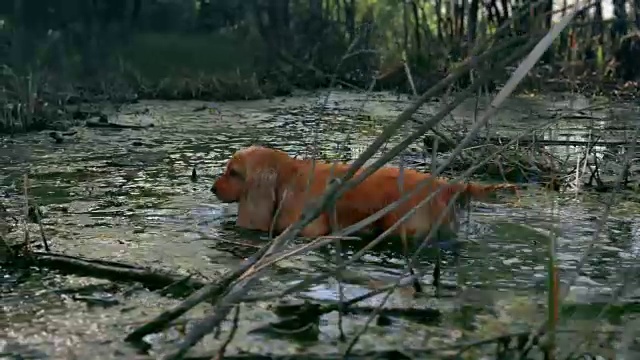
point(268, 182)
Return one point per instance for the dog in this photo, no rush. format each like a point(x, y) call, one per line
point(272, 189)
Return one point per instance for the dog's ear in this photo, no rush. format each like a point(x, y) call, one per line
point(258, 203)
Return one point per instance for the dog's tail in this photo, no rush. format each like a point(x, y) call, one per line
point(474, 191)
point(484, 192)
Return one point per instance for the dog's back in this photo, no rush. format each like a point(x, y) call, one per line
point(378, 191)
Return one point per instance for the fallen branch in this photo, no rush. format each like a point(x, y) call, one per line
point(103, 123)
point(315, 310)
point(525, 141)
point(151, 278)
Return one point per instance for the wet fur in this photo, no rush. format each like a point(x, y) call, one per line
point(266, 182)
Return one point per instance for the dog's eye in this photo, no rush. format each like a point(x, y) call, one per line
point(234, 173)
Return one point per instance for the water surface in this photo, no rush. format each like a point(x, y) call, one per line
point(127, 195)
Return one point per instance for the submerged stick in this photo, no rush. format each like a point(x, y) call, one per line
point(153, 279)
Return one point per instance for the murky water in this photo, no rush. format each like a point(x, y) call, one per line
point(126, 195)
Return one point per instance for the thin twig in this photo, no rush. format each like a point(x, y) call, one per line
point(39, 220)
point(333, 222)
point(232, 333)
point(27, 241)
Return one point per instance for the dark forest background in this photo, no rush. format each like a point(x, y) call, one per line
point(80, 50)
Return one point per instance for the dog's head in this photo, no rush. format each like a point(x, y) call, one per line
point(254, 166)
point(251, 178)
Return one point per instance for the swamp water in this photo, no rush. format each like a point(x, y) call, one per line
point(127, 196)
